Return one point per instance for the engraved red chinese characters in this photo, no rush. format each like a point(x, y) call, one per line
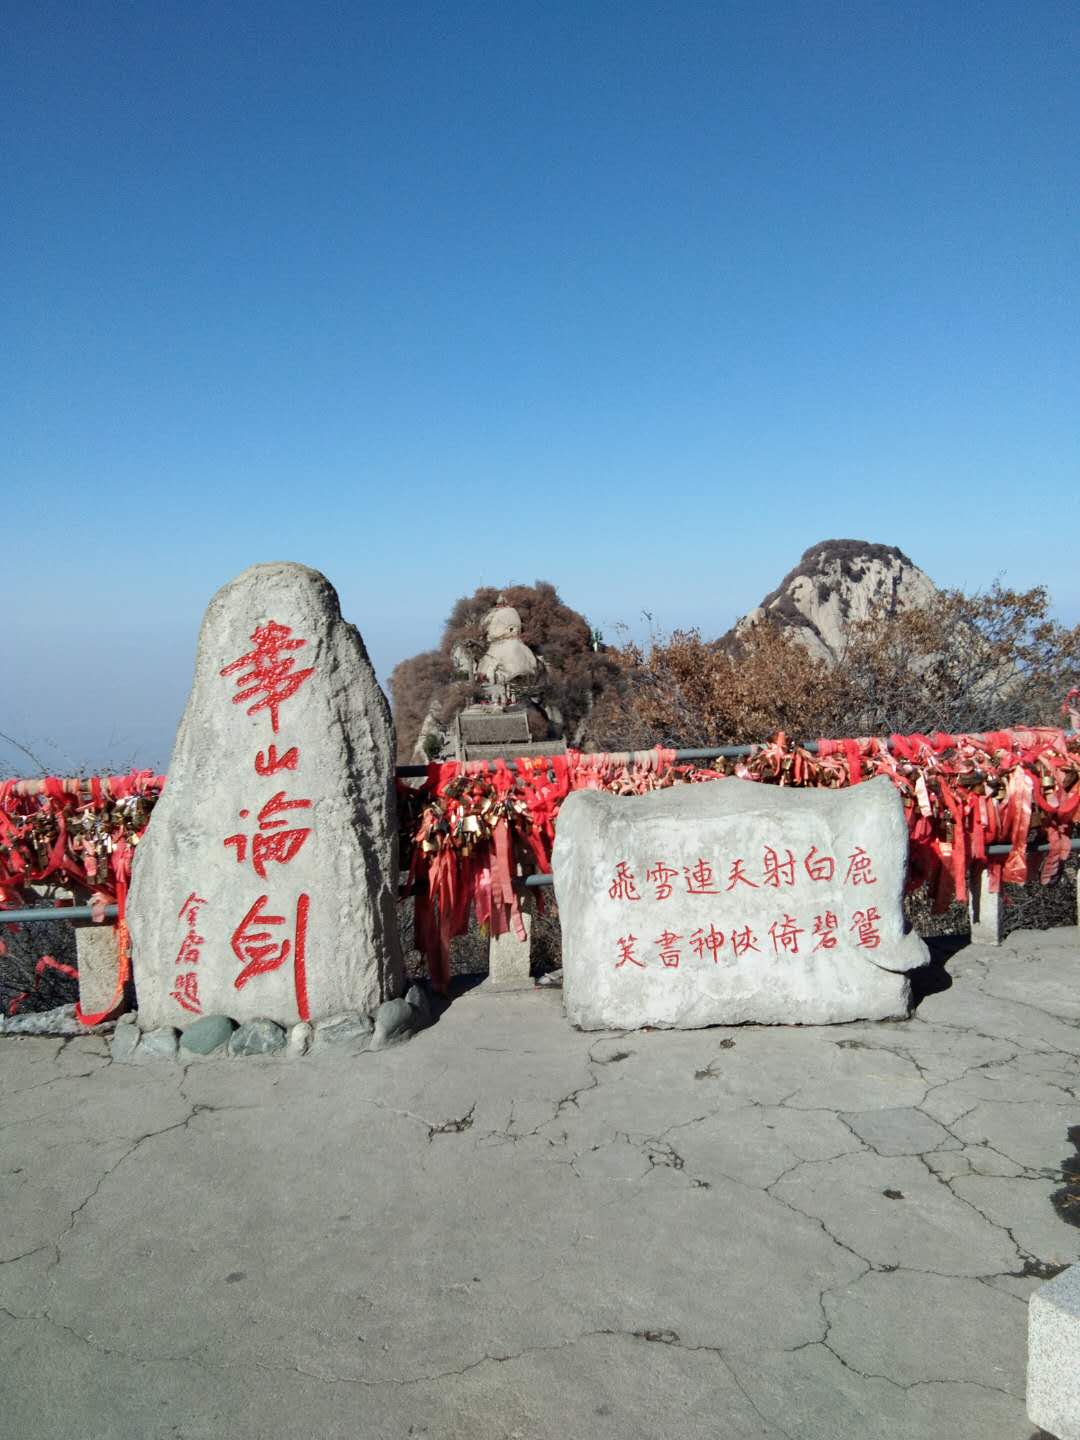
point(626, 953)
point(624, 886)
point(667, 945)
point(825, 929)
point(260, 950)
point(776, 871)
point(860, 868)
point(866, 922)
point(278, 846)
point(267, 671)
point(185, 989)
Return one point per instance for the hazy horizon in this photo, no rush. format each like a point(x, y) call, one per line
point(142, 735)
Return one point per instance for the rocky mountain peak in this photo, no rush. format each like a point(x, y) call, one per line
point(836, 583)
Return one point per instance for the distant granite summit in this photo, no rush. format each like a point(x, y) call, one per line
point(836, 583)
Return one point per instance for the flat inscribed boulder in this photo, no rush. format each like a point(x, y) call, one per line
point(732, 901)
point(265, 885)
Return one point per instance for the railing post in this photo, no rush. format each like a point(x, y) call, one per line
point(984, 908)
point(99, 963)
point(510, 959)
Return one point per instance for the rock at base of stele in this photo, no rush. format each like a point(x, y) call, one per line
point(395, 1020)
point(206, 1035)
point(257, 1037)
point(125, 1040)
point(300, 1037)
point(59, 1021)
point(420, 1001)
point(350, 1031)
point(159, 1044)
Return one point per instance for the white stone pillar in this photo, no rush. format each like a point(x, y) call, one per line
point(985, 910)
point(1053, 1374)
point(509, 959)
point(98, 961)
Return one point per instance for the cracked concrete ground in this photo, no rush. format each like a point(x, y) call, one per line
point(509, 1229)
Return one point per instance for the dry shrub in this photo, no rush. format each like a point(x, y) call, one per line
point(967, 662)
point(21, 948)
point(578, 666)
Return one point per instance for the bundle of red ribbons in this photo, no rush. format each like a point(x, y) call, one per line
point(473, 829)
point(482, 824)
point(80, 835)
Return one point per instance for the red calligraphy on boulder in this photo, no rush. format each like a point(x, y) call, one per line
point(825, 929)
point(185, 989)
point(624, 886)
point(866, 922)
point(185, 992)
point(711, 940)
point(667, 945)
point(267, 672)
point(661, 876)
point(626, 953)
point(279, 846)
point(738, 873)
point(776, 871)
point(699, 879)
point(743, 941)
point(267, 762)
point(785, 935)
point(860, 868)
point(819, 867)
point(261, 950)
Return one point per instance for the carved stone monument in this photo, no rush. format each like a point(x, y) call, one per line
point(507, 660)
point(265, 885)
point(732, 901)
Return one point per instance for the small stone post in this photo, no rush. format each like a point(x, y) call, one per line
point(509, 958)
point(1053, 1371)
point(99, 963)
point(985, 909)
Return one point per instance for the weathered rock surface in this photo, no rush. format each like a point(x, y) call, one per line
point(125, 1042)
point(420, 1002)
point(58, 1021)
point(395, 1020)
point(1053, 1379)
point(265, 884)
point(207, 1034)
point(837, 583)
point(300, 1037)
point(158, 1044)
point(731, 902)
point(344, 1032)
point(257, 1037)
point(98, 965)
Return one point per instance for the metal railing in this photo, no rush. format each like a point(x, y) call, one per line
point(40, 914)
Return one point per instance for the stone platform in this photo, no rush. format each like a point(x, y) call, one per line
point(511, 1228)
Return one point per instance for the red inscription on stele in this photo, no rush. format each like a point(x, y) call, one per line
point(780, 870)
point(185, 989)
point(267, 671)
point(267, 676)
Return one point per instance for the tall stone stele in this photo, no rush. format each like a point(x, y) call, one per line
point(266, 882)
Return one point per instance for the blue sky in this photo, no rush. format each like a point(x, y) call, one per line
point(642, 299)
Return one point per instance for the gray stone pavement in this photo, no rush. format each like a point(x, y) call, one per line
point(506, 1228)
